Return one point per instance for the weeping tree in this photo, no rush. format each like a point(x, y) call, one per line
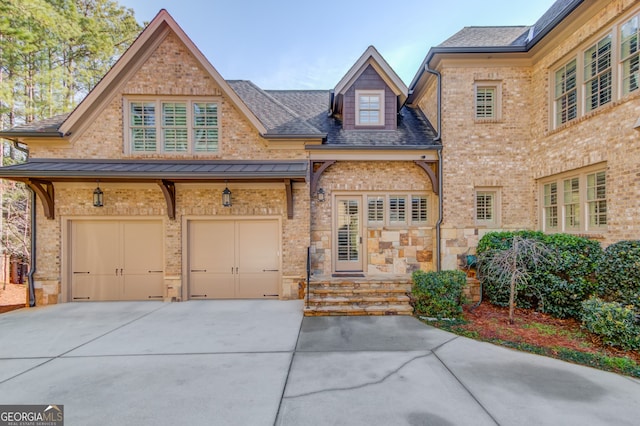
point(511, 267)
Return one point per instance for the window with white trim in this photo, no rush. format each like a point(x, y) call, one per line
point(598, 74)
point(397, 210)
point(630, 55)
point(487, 206)
point(177, 126)
point(582, 205)
point(370, 107)
point(566, 93)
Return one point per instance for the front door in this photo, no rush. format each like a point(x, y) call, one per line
point(348, 234)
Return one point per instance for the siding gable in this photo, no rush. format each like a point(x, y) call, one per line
point(370, 80)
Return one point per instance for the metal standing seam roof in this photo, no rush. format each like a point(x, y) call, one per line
point(155, 169)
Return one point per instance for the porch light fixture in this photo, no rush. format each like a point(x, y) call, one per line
point(226, 197)
point(320, 195)
point(98, 196)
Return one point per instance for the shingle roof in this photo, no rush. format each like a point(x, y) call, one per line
point(511, 36)
point(487, 37)
point(413, 127)
point(49, 125)
point(276, 117)
point(155, 169)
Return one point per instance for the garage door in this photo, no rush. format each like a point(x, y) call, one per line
point(234, 259)
point(116, 260)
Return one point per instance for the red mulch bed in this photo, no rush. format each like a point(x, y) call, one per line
point(535, 328)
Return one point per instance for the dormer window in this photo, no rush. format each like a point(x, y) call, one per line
point(369, 107)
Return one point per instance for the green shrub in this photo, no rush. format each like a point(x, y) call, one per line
point(614, 323)
point(619, 273)
point(438, 294)
point(557, 287)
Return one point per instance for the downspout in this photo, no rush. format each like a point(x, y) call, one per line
point(32, 267)
point(438, 138)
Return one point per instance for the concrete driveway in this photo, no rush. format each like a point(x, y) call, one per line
point(260, 363)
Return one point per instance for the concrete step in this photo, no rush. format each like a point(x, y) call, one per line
point(358, 300)
point(338, 310)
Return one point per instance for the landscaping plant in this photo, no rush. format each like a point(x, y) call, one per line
point(615, 323)
point(438, 294)
point(619, 273)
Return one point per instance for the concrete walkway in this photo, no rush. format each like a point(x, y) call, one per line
point(260, 363)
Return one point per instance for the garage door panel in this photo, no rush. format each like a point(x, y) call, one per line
point(143, 286)
point(206, 285)
point(143, 247)
point(258, 246)
point(95, 247)
point(88, 287)
point(254, 285)
point(209, 249)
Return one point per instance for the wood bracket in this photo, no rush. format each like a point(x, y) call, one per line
point(289, 188)
point(315, 174)
point(44, 190)
point(426, 166)
point(169, 191)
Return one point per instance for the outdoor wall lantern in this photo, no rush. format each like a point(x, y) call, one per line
point(226, 197)
point(98, 196)
point(320, 195)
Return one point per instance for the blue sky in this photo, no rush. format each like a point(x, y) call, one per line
point(299, 44)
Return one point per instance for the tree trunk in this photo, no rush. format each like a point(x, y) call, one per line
point(512, 290)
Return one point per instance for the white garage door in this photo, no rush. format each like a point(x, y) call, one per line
point(116, 260)
point(234, 259)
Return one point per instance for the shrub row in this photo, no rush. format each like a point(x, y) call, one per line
point(615, 323)
point(558, 286)
point(438, 294)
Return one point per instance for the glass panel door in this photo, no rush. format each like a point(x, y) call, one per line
point(348, 234)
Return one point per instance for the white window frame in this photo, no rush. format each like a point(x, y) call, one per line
point(159, 125)
point(587, 205)
point(562, 93)
point(496, 211)
point(425, 209)
point(599, 75)
point(496, 87)
point(381, 110)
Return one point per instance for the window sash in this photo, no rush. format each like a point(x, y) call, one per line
point(566, 93)
point(485, 102)
point(598, 74)
point(597, 199)
point(375, 210)
point(485, 206)
point(572, 203)
point(397, 209)
point(419, 209)
point(551, 205)
point(630, 55)
point(370, 108)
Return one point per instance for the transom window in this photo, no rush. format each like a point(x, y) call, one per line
point(158, 126)
point(370, 108)
point(397, 210)
point(580, 207)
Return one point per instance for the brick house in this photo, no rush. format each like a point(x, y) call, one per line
point(539, 125)
point(213, 188)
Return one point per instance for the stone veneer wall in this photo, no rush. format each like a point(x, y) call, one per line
point(390, 250)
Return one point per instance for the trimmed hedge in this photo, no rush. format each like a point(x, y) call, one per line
point(616, 324)
point(438, 294)
point(558, 287)
point(619, 273)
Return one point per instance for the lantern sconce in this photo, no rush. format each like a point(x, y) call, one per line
point(226, 196)
point(320, 195)
point(98, 196)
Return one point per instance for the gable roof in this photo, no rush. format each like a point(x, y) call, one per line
point(486, 37)
point(370, 57)
point(132, 60)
